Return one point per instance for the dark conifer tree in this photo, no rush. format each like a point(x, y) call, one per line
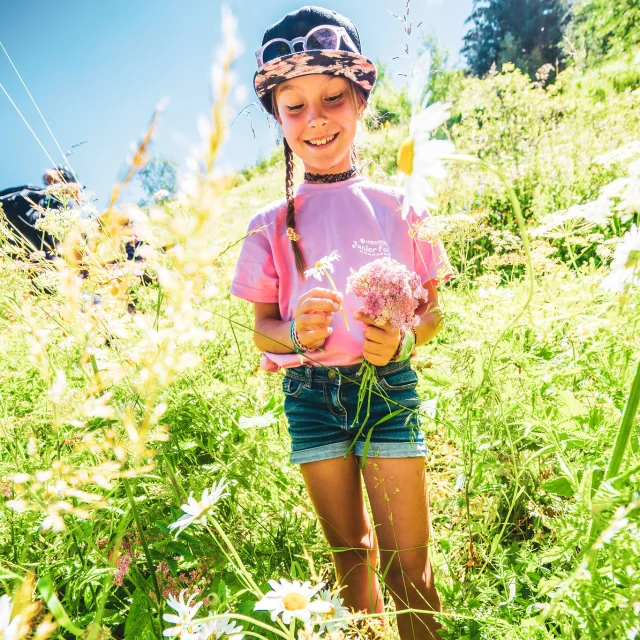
point(525, 32)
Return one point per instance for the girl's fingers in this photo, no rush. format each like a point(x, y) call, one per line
point(313, 335)
point(375, 359)
point(309, 320)
point(318, 305)
point(375, 334)
point(321, 292)
point(374, 348)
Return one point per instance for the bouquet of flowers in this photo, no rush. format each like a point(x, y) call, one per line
point(390, 293)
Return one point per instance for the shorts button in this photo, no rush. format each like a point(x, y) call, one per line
point(331, 374)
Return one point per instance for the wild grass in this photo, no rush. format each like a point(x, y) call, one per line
point(110, 419)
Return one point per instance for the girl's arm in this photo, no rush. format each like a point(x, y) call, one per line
point(269, 323)
point(313, 317)
point(430, 316)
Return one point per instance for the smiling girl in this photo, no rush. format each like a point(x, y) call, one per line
point(313, 78)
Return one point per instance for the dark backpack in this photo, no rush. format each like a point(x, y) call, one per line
point(22, 215)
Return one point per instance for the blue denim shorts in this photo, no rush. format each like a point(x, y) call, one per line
point(320, 404)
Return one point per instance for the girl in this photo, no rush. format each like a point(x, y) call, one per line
point(314, 80)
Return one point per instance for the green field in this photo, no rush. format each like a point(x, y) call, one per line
point(110, 419)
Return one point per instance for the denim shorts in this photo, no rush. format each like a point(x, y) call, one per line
point(320, 405)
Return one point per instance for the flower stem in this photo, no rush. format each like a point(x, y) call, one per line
point(333, 284)
point(240, 565)
point(239, 616)
point(143, 540)
point(292, 629)
point(624, 433)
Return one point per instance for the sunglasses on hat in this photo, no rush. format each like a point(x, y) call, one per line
point(325, 36)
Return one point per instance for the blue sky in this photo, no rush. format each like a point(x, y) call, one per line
point(98, 69)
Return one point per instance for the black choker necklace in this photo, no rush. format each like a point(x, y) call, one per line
point(330, 177)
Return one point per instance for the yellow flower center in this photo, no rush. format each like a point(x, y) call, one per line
point(294, 601)
point(318, 264)
point(330, 614)
point(405, 156)
point(633, 259)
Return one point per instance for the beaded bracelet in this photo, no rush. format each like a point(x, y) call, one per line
point(406, 345)
point(298, 347)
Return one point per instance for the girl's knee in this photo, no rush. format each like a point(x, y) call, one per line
point(407, 579)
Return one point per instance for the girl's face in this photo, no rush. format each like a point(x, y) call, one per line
point(317, 108)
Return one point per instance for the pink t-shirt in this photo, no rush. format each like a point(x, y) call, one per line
point(360, 220)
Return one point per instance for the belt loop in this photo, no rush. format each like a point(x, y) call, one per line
point(308, 372)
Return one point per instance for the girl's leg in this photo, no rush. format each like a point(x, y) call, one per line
point(397, 489)
point(335, 489)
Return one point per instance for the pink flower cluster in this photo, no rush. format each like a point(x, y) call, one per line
point(194, 581)
point(5, 489)
point(389, 292)
point(122, 568)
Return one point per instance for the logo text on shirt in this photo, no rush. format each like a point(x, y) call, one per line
point(371, 247)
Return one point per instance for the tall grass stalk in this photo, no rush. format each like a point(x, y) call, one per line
point(624, 433)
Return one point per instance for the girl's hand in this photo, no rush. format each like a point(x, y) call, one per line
point(313, 315)
point(380, 343)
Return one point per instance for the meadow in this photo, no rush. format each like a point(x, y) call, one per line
point(111, 417)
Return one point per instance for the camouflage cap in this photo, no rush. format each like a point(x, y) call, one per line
point(297, 24)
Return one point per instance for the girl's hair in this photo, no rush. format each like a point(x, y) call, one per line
point(359, 102)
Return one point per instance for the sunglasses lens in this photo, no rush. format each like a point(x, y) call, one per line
point(323, 39)
point(275, 50)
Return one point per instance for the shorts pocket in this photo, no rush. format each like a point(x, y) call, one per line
point(292, 387)
point(399, 380)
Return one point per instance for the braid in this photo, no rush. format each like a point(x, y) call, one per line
point(291, 209)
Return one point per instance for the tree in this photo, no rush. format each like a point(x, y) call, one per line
point(158, 174)
point(442, 77)
point(604, 27)
point(525, 32)
point(388, 103)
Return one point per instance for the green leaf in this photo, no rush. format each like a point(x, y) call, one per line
point(559, 486)
point(569, 406)
point(138, 624)
point(48, 593)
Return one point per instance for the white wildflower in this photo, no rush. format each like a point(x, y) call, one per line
point(258, 422)
point(336, 617)
point(184, 627)
point(495, 294)
point(420, 157)
point(322, 266)
point(160, 194)
point(292, 600)
point(625, 268)
point(221, 627)
point(430, 407)
point(197, 511)
point(8, 627)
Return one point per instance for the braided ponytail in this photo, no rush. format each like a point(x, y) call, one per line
point(301, 265)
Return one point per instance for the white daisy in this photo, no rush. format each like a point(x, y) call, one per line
point(292, 600)
point(218, 628)
point(8, 627)
point(625, 268)
point(184, 629)
point(194, 510)
point(335, 618)
point(322, 266)
point(420, 157)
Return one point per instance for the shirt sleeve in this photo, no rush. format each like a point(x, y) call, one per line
point(430, 257)
point(255, 278)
